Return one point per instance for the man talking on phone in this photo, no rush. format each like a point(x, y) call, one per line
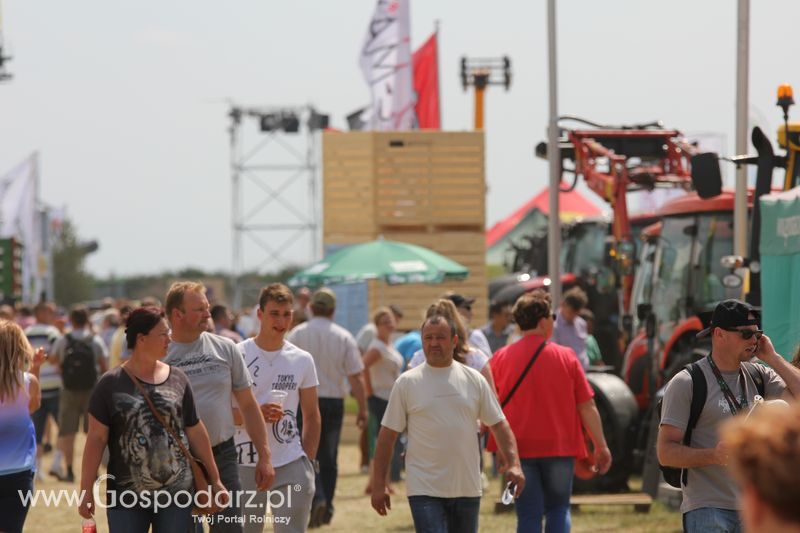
point(732, 381)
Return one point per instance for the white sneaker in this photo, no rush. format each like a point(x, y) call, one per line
point(56, 471)
point(40, 476)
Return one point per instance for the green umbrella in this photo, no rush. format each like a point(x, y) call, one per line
point(394, 262)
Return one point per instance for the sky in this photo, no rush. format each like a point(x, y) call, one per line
point(126, 103)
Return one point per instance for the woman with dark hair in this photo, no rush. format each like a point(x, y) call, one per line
point(143, 458)
point(19, 397)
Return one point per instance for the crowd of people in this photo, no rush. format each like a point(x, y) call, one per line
point(161, 389)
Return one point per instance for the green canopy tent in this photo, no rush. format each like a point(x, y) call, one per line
point(391, 261)
point(780, 269)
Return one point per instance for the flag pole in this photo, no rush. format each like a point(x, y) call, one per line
point(554, 157)
point(438, 84)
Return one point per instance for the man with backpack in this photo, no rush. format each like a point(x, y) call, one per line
point(727, 383)
point(81, 357)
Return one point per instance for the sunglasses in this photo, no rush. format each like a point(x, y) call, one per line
point(747, 333)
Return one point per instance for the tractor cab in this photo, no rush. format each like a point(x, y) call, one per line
point(680, 279)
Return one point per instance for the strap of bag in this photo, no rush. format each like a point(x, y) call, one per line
point(156, 414)
point(699, 394)
point(524, 373)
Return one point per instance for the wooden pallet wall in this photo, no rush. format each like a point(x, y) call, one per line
point(425, 188)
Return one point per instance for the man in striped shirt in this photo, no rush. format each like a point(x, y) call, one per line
point(43, 334)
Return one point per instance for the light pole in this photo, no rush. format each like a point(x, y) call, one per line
point(554, 160)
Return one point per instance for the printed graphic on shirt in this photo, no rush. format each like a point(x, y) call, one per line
point(203, 364)
point(723, 405)
point(149, 458)
point(284, 382)
point(290, 370)
point(285, 429)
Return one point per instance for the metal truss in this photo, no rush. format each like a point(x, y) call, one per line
point(275, 192)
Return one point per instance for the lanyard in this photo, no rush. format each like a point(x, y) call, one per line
point(726, 390)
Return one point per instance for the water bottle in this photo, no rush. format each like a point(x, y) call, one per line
point(508, 494)
point(88, 526)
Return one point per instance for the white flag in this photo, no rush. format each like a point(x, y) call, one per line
point(19, 219)
point(386, 63)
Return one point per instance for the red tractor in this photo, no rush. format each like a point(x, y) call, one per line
point(599, 255)
point(614, 162)
point(679, 280)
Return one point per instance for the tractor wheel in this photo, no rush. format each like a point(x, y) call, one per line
point(618, 413)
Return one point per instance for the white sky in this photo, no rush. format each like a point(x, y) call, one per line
point(123, 100)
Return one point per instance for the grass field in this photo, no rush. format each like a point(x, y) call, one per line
point(353, 511)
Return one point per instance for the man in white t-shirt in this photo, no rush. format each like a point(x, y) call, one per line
point(278, 365)
point(338, 361)
point(437, 403)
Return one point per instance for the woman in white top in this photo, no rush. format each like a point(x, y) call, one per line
point(383, 365)
point(19, 397)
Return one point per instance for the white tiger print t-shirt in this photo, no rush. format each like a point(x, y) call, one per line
point(288, 369)
point(142, 455)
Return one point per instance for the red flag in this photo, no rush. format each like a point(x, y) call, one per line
point(426, 84)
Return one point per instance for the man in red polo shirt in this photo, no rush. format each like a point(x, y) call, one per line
point(546, 409)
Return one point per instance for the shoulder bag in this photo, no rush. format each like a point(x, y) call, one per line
point(199, 471)
point(522, 376)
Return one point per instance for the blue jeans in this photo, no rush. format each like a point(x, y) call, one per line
point(445, 515)
point(712, 520)
point(548, 487)
point(167, 520)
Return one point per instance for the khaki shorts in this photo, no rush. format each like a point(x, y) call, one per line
point(73, 405)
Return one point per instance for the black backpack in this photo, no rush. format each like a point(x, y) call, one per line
point(78, 370)
point(674, 475)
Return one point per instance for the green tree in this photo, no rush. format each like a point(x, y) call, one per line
point(72, 283)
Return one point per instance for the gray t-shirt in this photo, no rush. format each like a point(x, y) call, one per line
point(711, 486)
point(572, 336)
point(215, 368)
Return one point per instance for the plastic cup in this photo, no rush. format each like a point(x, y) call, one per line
point(277, 396)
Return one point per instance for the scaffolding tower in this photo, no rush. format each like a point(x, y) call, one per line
point(275, 191)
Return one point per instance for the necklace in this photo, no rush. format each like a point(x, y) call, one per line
point(274, 357)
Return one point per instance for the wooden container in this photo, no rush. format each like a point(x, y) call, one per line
point(421, 187)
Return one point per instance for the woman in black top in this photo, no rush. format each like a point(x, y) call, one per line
point(149, 479)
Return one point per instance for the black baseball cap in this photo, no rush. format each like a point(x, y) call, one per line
point(459, 300)
point(730, 314)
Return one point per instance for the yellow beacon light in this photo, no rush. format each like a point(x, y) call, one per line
point(785, 97)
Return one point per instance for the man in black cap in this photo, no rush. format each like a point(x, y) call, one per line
point(710, 500)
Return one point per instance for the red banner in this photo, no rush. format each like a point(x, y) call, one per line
point(426, 84)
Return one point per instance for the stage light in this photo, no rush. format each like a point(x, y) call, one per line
point(289, 122)
point(270, 122)
point(317, 121)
